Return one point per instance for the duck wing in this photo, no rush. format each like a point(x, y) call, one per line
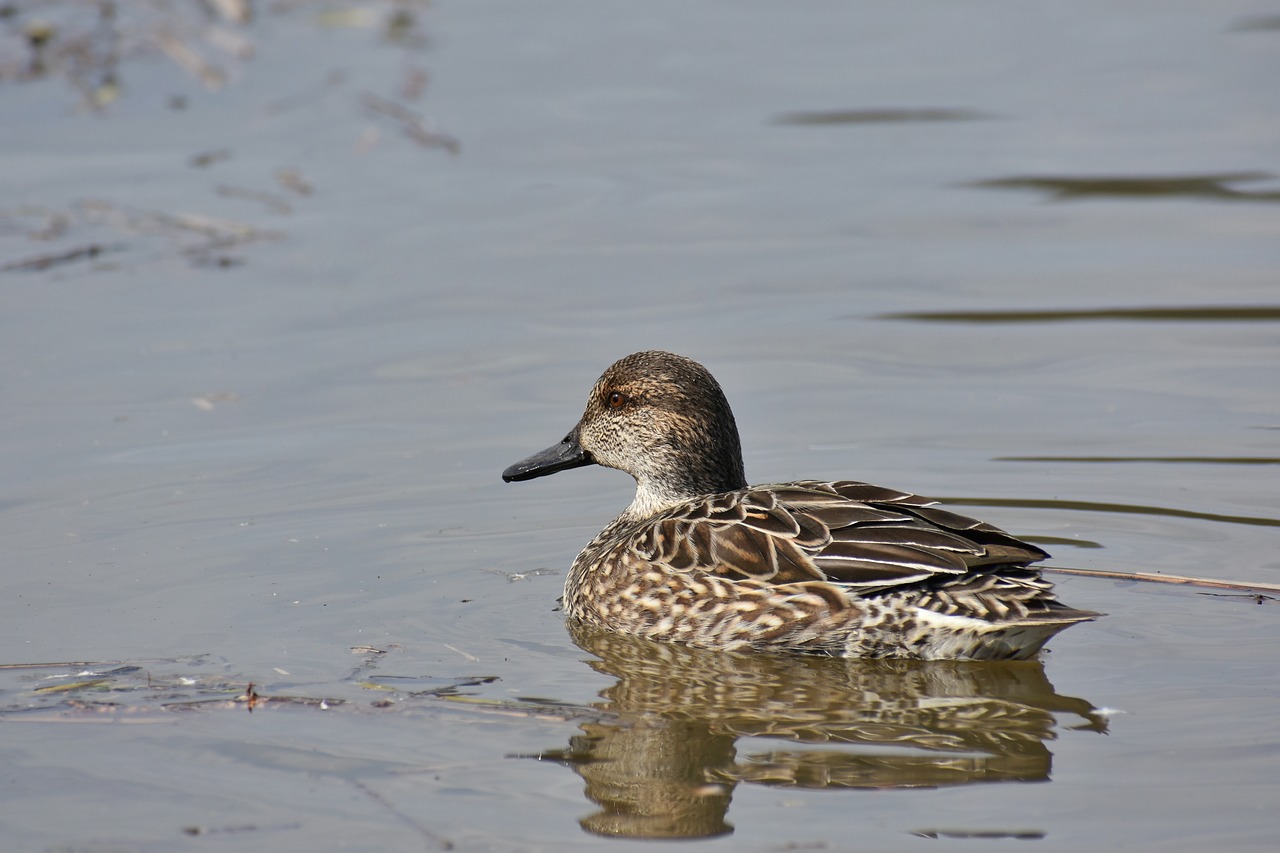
point(848, 533)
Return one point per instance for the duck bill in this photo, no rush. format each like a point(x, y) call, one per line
point(559, 457)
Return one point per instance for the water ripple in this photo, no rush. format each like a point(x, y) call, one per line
point(1066, 188)
point(1156, 313)
point(879, 116)
point(1173, 460)
point(1105, 506)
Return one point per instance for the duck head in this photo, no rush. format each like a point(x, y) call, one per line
point(664, 420)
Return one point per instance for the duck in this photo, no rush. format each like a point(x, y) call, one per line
point(840, 568)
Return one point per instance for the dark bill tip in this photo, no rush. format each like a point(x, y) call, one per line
point(559, 457)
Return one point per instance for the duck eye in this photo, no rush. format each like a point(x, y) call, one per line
point(616, 399)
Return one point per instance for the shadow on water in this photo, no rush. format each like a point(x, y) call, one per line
point(1210, 186)
point(682, 728)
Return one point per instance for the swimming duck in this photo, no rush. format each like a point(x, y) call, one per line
point(828, 567)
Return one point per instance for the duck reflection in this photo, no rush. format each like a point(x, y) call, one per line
point(683, 727)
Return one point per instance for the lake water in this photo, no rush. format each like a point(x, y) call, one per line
point(280, 298)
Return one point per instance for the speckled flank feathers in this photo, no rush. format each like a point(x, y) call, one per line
point(840, 568)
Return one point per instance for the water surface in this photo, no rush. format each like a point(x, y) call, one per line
point(280, 298)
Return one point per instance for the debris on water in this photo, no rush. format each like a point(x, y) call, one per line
point(75, 685)
point(411, 123)
point(185, 57)
point(426, 685)
point(44, 262)
point(208, 158)
point(249, 698)
point(513, 577)
point(250, 827)
point(92, 47)
point(1255, 597)
point(292, 180)
point(982, 834)
point(149, 691)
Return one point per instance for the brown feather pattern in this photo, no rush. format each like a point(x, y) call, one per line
point(842, 568)
point(802, 566)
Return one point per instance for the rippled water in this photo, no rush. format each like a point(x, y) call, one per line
point(280, 298)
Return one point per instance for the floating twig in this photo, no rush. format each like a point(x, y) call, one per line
point(43, 262)
point(75, 685)
point(1255, 597)
point(1151, 577)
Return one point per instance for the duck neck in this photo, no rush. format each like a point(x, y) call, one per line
point(677, 484)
